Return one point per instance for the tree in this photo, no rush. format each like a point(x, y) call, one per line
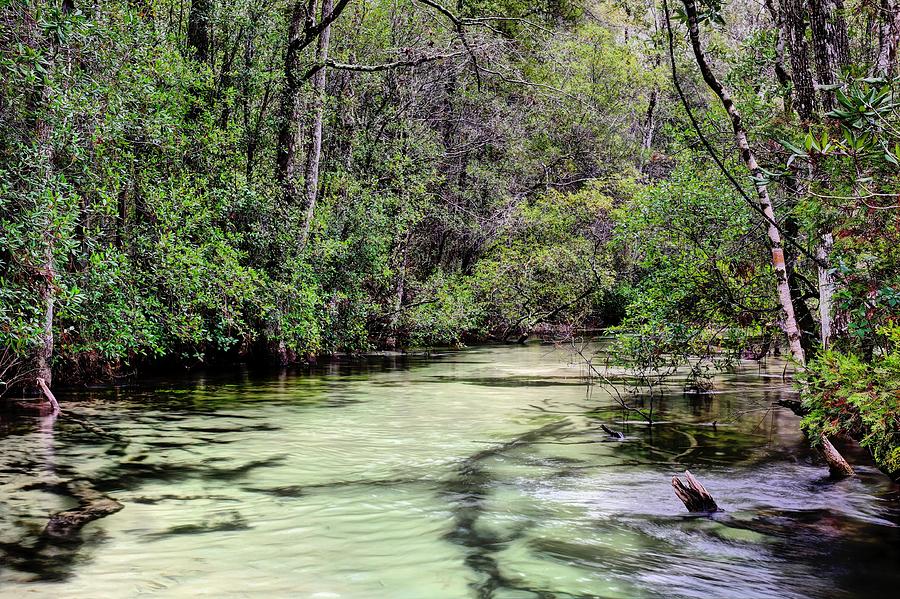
point(779, 266)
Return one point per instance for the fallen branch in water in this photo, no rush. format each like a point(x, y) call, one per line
point(49, 395)
point(838, 467)
point(618, 396)
point(612, 433)
point(93, 505)
point(693, 495)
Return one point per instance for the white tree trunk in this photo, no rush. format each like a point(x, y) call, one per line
point(826, 288)
point(762, 191)
point(314, 149)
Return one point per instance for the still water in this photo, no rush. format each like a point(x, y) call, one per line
point(480, 473)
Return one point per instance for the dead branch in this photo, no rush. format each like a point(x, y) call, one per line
point(693, 495)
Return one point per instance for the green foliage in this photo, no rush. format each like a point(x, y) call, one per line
point(846, 395)
point(697, 284)
point(549, 266)
point(451, 310)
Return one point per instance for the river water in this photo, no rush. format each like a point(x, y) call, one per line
point(481, 473)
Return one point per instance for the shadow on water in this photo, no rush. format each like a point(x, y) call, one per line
point(467, 492)
point(487, 469)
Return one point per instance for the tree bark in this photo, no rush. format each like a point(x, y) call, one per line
point(888, 37)
point(198, 29)
point(794, 24)
point(302, 32)
point(781, 74)
point(831, 47)
point(291, 101)
point(314, 146)
point(826, 289)
point(765, 203)
point(46, 273)
point(650, 120)
point(778, 20)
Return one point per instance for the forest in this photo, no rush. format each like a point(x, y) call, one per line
point(202, 181)
point(192, 184)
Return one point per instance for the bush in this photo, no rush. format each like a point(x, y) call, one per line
point(847, 395)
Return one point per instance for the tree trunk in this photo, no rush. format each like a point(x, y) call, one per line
point(314, 146)
point(762, 192)
point(794, 23)
point(805, 319)
point(831, 47)
point(198, 29)
point(888, 37)
point(837, 465)
point(399, 293)
point(826, 288)
point(291, 104)
point(650, 120)
point(784, 79)
point(46, 272)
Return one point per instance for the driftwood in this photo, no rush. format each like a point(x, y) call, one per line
point(693, 495)
point(837, 465)
point(93, 505)
point(611, 432)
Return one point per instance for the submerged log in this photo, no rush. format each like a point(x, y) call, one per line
point(611, 432)
point(93, 506)
point(66, 524)
point(693, 495)
point(838, 467)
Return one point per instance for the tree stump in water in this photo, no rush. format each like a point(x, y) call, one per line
point(837, 465)
point(693, 495)
point(611, 432)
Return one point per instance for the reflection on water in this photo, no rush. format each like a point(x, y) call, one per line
point(481, 473)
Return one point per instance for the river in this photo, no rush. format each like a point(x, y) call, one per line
point(479, 473)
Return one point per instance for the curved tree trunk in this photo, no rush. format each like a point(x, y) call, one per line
point(762, 192)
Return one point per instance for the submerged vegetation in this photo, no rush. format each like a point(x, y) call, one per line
point(199, 181)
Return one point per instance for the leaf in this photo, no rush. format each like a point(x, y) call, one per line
point(789, 146)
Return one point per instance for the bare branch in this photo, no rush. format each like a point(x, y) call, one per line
point(374, 68)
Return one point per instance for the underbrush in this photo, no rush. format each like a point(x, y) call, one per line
point(846, 395)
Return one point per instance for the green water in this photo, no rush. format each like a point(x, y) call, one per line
point(480, 473)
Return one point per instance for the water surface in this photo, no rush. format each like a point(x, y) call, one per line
point(481, 473)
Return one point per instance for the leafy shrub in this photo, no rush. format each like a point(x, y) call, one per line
point(847, 395)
